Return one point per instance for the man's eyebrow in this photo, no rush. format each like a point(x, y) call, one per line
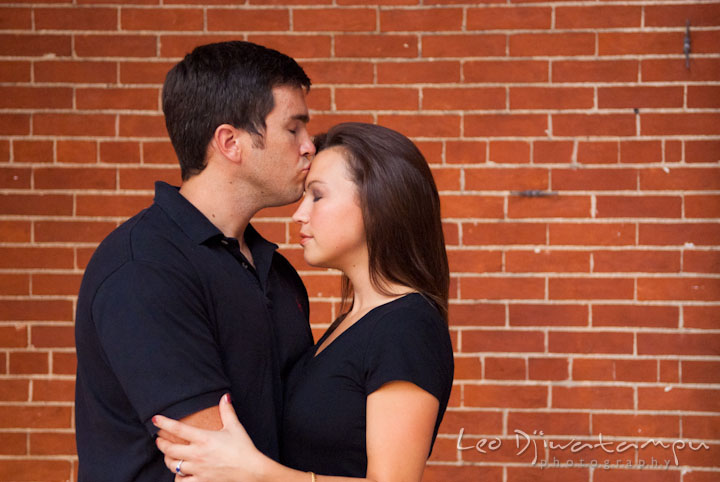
point(304, 118)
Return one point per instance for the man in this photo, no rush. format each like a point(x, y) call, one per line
point(186, 301)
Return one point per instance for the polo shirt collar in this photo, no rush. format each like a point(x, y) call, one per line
point(188, 217)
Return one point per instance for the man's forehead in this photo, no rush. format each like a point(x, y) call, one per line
point(290, 103)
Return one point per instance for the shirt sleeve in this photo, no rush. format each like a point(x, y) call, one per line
point(155, 331)
point(411, 345)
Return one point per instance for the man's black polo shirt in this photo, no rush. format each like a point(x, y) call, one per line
point(170, 316)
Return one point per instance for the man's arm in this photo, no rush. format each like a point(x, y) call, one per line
point(208, 419)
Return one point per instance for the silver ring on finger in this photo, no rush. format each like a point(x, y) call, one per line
point(178, 470)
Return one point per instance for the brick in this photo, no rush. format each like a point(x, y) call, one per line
point(669, 371)
point(322, 285)
point(679, 124)
point(13, 336)
point(52, 443)
point(75, 18)
point(700, 371)
point(15, 178)
point(579, 234)
point(680, 179)
point(4, 151)
point(36, 204)
point(477, 314)
point(637, 97)
point(492, 125)
point(376, 46)
point(117, 99)
point(34, 45)
point(506, 396)
point(551, 98)
point(683, 344)
point(64, 363)
point(337, 72)
point(502, 288)
point(464, 261)
point(465, 152)
point(319, 99)
point(144, 72)
point(76, 152)
point(702, 206)
point(703, 96)
point(644, 426)
point(15, 124)
point(590, 342)
point(144, 178)
point(15, 231)
point(548, 315)
point(593, 125)
point(591, 288)
point(463, 45)
point(377, 98)
point(499, 179)
point(432, 151)
point(676, 15)
point(116, 45)
point(634, 315)
point(687, 399)
point(521, 474)
point(701, 261)
point(160, 152)
point(86, 72)
point(54, 390)
point(509, 152)
point(551, 44)
point(32, 416)
point(503, 233)
point(594, 179)
point(37, 310)
point(594, 17)
point(640, 151)
point(702, 151)
point(502, 341)
point(119, 152)
point(498, 71)
point(505, 368)
point(595, 70)
point(467, 368)
point(222, 19)
point(614, 370)
point(463, 98)
point(28, 363)
point(548, 368)
point(13, 443)
point(698, 289)
point(323, 122)
point(470, 206)
point(673, 150)
point(417, 72)
point(546, 261)
point(645, 43)
point(162, 19)
point(111, 205)
point(513, 17)
point(552, 151)
point(15, 19)
point(700, 234)
point(549, 207)
point(142, 126)
point(32, 151)
point(704, 317)
point(28, 470)
point(449, 473)
point(73, 178)
point(35, 98)
point(423, 20)
point(639, 206)
point(55, 284)
point(473, 421)
point(15, 71)
point(598, 152)
point(335, 19)
point(549, 423)
point(74, 124)
point(598, 397)
point(451, 232)
point(422, 125)
point(666, 70)
point(15, 284)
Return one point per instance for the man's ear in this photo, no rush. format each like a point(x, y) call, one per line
point(228, 142)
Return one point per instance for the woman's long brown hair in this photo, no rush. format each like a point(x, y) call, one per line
point(401, 211)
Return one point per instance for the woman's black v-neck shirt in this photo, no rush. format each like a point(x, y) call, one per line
point(324, 421)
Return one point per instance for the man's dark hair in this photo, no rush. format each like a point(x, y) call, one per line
point(223, 83)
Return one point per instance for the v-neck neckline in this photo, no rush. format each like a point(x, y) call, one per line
point(327, 334)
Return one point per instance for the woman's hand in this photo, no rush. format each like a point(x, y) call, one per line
point(226, 455)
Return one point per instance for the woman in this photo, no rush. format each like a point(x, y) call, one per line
point(367, 400)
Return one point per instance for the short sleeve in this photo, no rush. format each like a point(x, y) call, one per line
point(411, 345)
point(155, 331)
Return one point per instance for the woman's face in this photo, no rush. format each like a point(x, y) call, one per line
point(332, 232)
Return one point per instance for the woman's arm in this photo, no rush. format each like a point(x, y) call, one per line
point(400, 423)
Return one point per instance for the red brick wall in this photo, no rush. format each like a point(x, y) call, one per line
point(595, 310)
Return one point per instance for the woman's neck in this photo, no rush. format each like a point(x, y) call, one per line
point(366, 296)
